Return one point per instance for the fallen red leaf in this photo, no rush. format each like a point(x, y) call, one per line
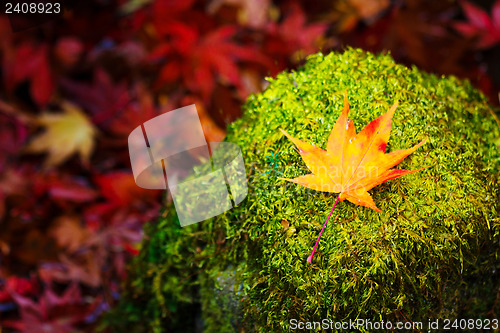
point(199, 60)
point(283, 39)
point(119, 189)
point(138, 111)
point(64, 187)
point(19, 285)
point(52, 312)
point(29, 62)
point(480, 25)
point(103, 98)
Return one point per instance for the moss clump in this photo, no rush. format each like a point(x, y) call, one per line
point(432, 252)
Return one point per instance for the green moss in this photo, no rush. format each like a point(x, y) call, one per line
point(433, 251)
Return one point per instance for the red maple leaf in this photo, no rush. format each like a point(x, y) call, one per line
point(200, 60)
point(293, 34)
point(139, 110)
point(102, 98)
point(51, 312)
point(63, 187)
point(161, 13)
point(122, 195)
point(480, 25)
point(120, 190)
point(29, 62)
point(21, 286)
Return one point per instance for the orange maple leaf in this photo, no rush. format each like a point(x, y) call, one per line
point(352, 163)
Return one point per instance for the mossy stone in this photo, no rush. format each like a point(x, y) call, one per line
point(432, 253)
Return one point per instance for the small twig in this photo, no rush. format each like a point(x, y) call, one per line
point(309, 259)
point(493, 112)
point(14, 112)
point(408, 320)
point(492, 311)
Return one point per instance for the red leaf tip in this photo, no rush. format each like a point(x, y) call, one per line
point(310, 258)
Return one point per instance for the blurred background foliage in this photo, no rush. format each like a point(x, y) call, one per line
point(73, 87)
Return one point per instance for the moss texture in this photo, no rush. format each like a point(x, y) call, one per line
point(432, 253)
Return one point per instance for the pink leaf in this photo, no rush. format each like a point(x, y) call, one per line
point(477, 16)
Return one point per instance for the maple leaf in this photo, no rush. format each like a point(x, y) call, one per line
point(122, 195)
point(352, 163)
point(120, 189)
point(200, 60)
point(29, 62)
point(65, 134)
point(63, 187)
point(139, 110)
point(103, 99)
point(20, 285)
point(283, 39)
point(51, 312)
point(480, 24)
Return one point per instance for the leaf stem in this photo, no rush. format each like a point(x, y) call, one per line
point(309, 259)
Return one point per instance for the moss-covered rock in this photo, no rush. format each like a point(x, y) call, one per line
point(432, 253)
